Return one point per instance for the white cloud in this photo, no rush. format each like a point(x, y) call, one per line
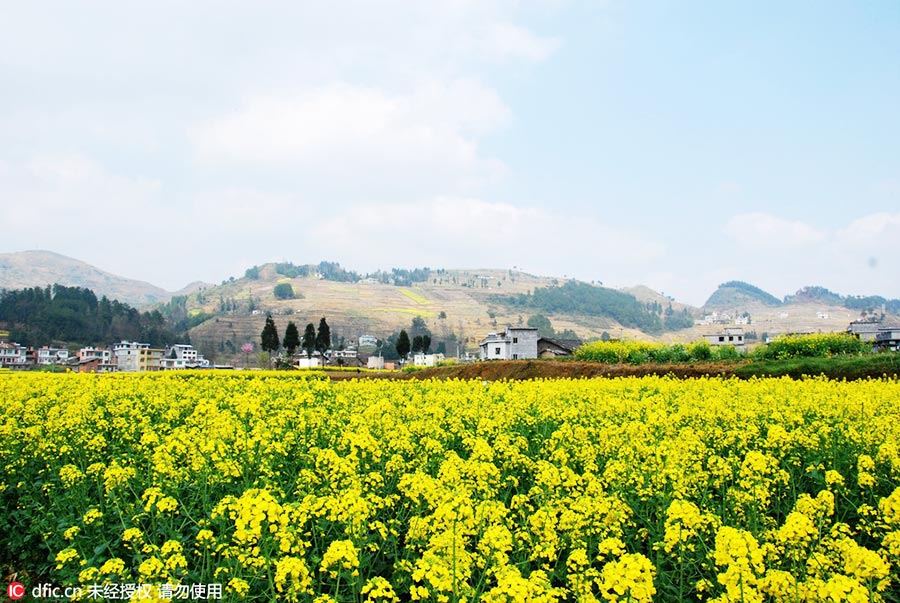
point(427, 135)
point(478, 233)
point(872, 230)
point(49, 196)
point(783, 255)
point(504, 41)
point(763, 228)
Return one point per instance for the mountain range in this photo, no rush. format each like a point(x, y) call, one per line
point(462, 305)
point(41, 268)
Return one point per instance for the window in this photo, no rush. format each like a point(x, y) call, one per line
point(497, 351)
point(721, 338)
point(730, 338)
point(515, 356)
point(515, 340)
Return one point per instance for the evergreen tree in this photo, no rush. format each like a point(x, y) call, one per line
point(426, 343)
point(269, 336)
point(309, 340)
point(291, 339)
point(403, 344)
point(323, 337)
point(417, 344)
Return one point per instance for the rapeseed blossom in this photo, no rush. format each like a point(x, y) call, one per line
point(285, 488)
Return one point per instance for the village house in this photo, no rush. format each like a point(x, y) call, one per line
point(427, 359)
point(368, 341)
point(182, 356)
point(12, 355)
point(554, 348)
point(47, 356)
point(864, 330)
point(888, 338)
point(133, 357)
point(732, 336)
point(512, 344)
point(94, 360)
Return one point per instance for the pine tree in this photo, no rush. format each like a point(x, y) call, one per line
point(417, 344)
point(269, 336)
point(291, 339)
point(323, 337)
point(403, 344)
point(426, 343)
point(309, 340)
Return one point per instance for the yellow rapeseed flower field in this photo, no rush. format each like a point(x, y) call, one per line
point(278, 487)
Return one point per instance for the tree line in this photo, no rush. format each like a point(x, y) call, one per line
point(312, 340)
point(397, 346)
point(73, 315)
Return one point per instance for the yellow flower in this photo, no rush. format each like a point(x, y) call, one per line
point(238, 586)
point(378, 589)
point(629, 578)
point(341, 555)
point(91, 516)
point(292, 578)
point(65, 556)
point(114, 566)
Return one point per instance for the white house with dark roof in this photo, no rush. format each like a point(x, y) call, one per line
point(514, 343)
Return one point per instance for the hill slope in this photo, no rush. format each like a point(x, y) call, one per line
point(735, 293)
point(41, 268)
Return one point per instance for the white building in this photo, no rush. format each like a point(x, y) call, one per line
point(427, 359)
point(131, 357)
point(12, 355)
point(368, 341)
point(733, 337)
point(375, 362)
point(514, 343)
point(182, 356)
point(126, 356)
point(308, 363)
point(47, 356)
point(98, 360)
point(91, 353)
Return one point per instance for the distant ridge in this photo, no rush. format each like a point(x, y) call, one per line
point(734, 293)
point(41, 268)
point(815, 294)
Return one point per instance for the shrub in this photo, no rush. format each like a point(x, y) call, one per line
point(820, 345)
point(283, 291)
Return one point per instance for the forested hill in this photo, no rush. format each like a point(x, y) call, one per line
point(581, 298)
point(25, 269)
point(863, 303)
point(73, 315)
point(734, 293)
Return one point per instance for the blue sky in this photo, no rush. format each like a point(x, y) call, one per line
point(672, 144)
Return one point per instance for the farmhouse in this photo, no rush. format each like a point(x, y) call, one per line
point(512, 344)
point(132, 357)
point(864, 330)
point(368, 341)
point(554, 348)
point(734, 336)
point(427, 359)
point(48, 355)
point(888, 338)
point(12, 355)
point(182, 356)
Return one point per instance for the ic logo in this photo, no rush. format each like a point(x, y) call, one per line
point(15, 590)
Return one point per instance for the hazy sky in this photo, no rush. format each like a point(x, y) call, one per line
point(672, 144)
